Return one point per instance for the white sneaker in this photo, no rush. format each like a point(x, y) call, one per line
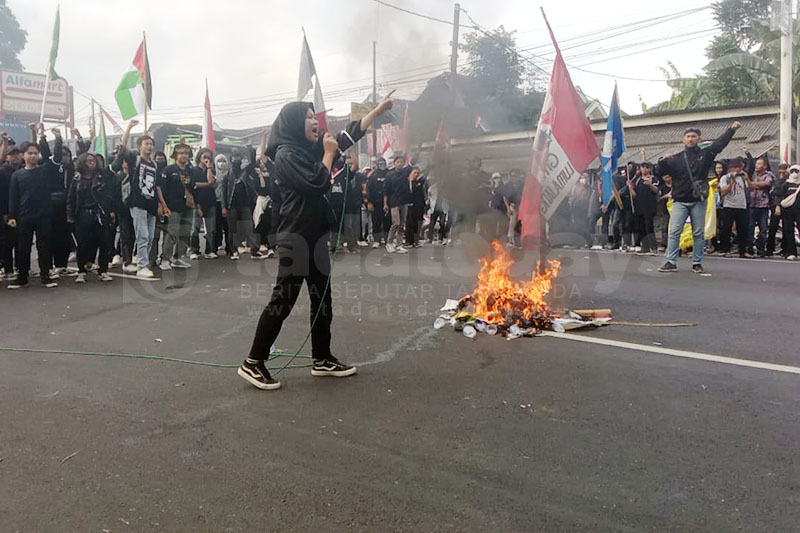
point(180, 263)
point(362, 244)
point(401, 250)
point(637, 249)
point(212, 255)
point(263, 248)
point(105, 276)
point(376, 245)
point(130, 269)
point(54, 273)
point(270, 253)
point(165, 265)
point(145, 273)
point(116, 261)
point(791, 258)
point(235, 256)
point(194, 256)
point(81, 277)
point(243, 249)
point(391, 248)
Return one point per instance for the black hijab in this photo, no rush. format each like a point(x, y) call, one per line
point(289, 129)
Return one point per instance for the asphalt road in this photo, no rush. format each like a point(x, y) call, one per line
point(436, 433)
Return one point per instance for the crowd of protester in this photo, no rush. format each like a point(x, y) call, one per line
point(145, 211)
point(756, 210)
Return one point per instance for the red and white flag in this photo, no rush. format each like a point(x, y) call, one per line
point(563, 147)
point(309, 79)
point(117, 128)
point(208, 125)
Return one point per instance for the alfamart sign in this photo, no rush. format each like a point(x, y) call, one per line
point(21, 95)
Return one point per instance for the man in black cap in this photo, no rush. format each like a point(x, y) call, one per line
point(689, 170)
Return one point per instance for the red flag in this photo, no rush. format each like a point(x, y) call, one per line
point(117, 128)
point(208, 125)
point(563, 147)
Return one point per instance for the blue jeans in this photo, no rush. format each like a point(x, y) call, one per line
point(144, 226)
point(680, 212)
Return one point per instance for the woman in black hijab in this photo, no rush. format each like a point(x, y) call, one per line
point(303, 157)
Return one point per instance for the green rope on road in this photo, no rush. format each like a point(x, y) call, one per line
point(274, 355)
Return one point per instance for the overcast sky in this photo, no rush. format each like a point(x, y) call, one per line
point(249, 49)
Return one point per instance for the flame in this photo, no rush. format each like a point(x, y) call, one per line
point(498, 299)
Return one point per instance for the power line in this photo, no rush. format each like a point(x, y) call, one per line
point(416, 14)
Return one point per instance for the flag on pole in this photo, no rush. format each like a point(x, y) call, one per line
point(613, 147)
point(135, 90)
point(307, 80)
point(54, 47)
point(117, 128)
point(100, 143)
point(208, 125)
point(563, 147)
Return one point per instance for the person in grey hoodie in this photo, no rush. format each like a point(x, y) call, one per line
point(223, 171)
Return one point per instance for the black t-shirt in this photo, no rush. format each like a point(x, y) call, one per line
point(203, 196)
point(174, 181)
point(646, 200)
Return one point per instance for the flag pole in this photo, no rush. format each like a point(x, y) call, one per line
point(543, 244)
point(44, 95)
point(146, 96)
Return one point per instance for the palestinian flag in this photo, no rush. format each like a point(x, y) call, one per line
point(54, 48)
point(135, 87)
point(100, 143)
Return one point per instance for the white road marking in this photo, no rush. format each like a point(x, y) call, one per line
point(130, 276)
point(676, 353)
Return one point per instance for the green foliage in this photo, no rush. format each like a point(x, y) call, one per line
point(514, 93)
point(12, 38)
point(744, 61)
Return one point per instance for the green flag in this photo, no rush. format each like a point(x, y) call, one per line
point(100, 145)
point(54, 48)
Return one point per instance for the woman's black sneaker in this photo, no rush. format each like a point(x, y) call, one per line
point(668, 267)
point(697, 268)
point(330, 366)
point(49, 282)
point(18, 283)
point(257, 375)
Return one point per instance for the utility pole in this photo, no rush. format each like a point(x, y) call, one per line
point(786, 100)
point(92, 122)
point(375, 96)
point(454, 53)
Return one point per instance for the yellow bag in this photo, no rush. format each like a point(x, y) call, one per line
point(711, 218)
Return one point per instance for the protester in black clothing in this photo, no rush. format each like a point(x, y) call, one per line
point(622, 218)
point(303, 159)
point(10, 161)
point(416, 209)
point(29, 212)
point(223, 230)
point(396, 199)
point(645, 203)
point(774, 202)
point(177, 204)
point(352, 203)
point(240, 193)
point(205, 199)
point(124, 220)
point(689, 171)
point(90, 204)
point(381, 221)
point(789, 211)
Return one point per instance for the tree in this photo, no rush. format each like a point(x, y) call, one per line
point(12, 38)
point(743, 63)
point(512, 89)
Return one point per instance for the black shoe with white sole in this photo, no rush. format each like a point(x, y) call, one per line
point(330, 366)
point(697, 268)
point(668, 267)
point(256, 374)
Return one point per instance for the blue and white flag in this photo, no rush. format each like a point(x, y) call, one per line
point(613, 146)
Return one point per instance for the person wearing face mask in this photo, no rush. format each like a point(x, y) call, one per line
point(223, 230)
point(645, 202)
point(303, 159)
point(789, 211)
point(240, 194)
point(89, 207)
